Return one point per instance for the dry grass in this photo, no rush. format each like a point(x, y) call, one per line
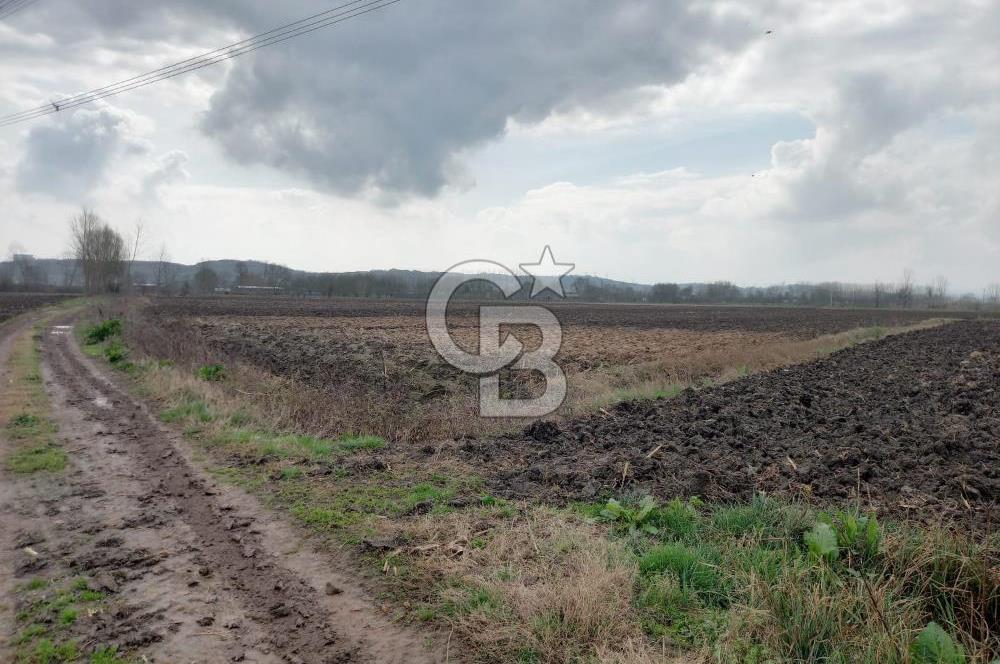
point(541, 585)
point(379, 375)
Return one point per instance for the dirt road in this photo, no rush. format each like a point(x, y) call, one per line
point(192, 571)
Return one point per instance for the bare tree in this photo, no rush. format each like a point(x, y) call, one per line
point(164, 270)
point(991, 294)
point(904, 292)
point(70, 269)
point(136, 242)
point(940, 289)
point(100, 252)
point(879, 293)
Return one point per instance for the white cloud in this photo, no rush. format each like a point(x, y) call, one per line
point(904, 97)
point(68, 157)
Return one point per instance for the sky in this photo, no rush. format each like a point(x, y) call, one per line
point(764, 142)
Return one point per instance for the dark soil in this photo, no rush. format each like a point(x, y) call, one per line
point(911, 422)
point(12, 304)
point(802, 322)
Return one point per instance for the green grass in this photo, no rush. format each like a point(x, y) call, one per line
point(770, 581)
point(36, 458)
point(101, 332)
point(107, 655)
point(48, 610)
point(190, 409)
point(212, 372)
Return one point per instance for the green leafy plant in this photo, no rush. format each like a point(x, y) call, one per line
point(822, 542)
point(96, 334)
point(212, 372)
point(935, 646)
point(638, 518)
point(859, 534)
point(116, 353)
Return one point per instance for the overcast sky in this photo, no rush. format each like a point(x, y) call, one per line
point(643, 140)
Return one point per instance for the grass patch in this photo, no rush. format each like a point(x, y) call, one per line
point(762, 581)
point(49, 610)
point(25, 407)
point(33, 459)
point(212, 372)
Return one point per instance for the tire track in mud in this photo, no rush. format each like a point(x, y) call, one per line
point(192, 576)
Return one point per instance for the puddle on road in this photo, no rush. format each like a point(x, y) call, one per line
point(61, 329)
point(102, 402)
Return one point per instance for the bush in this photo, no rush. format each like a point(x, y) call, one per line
point(103, 331)
point(212, 372)
point(116, 353)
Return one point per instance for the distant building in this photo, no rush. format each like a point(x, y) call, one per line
point(259, 289)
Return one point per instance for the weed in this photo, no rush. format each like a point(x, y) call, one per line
point(935, 646)
point(212, 372)
point(634, 519)
point(822, 542)
point(106, 655)
point(103, 331)
point(116, 353)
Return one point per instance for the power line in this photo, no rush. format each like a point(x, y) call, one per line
point(277, 35)
point(11, 7)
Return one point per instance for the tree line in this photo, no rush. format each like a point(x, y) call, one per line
point(102, 260)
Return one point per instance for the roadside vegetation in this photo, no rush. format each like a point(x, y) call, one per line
point(47, 612)
point(627, 579)
point(25, 411)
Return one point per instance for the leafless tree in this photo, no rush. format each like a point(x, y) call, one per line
point(100, 252)
point(70, 269)
point(904, 292)
point(991, 294)
point(940, 289)
point(136, 243)
point(879, 293)
point(164, 270)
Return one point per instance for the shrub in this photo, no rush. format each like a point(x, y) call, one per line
point(96, 334)
point(212, 372)
point(116, 352)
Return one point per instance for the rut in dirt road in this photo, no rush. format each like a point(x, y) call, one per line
point(189, 574)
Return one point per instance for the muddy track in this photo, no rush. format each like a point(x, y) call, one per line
point(195, 572)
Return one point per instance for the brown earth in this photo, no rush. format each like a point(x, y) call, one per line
point(911, 422)
point(12, 304)
point(801, 322)
point(194, 571)
point(377, 353)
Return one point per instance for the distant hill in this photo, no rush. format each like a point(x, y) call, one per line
point(62, 273)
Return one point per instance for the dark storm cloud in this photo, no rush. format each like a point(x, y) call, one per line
point(392, 99)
